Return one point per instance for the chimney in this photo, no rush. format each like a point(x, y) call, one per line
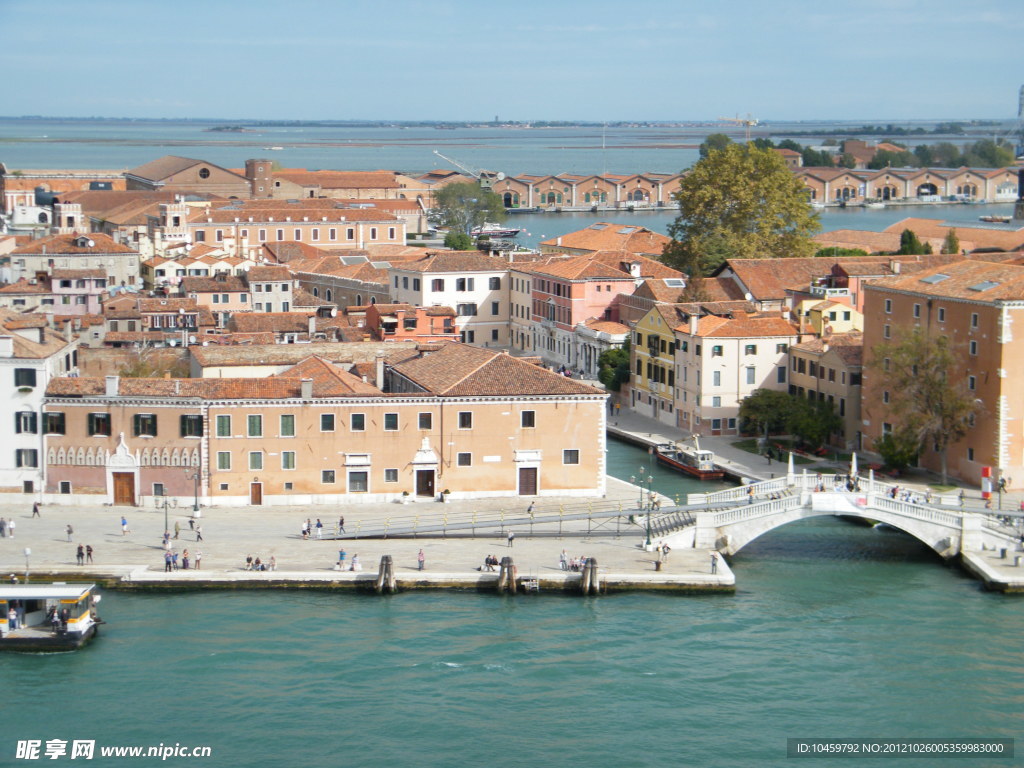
point(380, 371)
point(558, 240)
point(693, 325)
point(112, 385)
point(634, 268)
point(306, 389)
point(42, 334)
point(311, 325)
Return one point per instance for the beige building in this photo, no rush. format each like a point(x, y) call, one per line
point(830, 370)
point(450, 417)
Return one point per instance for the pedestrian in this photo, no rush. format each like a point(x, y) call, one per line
point(529, 509)
point(199, 559)
point(35, 509)
point(3, 528)
point(660, 550)
point(421, 559)
point(199, 533)
point(248, 562)
point(319, 529)
point(563, 561)
point(750, 494)
point(80, 555)
point(963, 497)
point(184, 560)
point(10, 528)
point(88, 553)
point(305, 531)
point(341, 524)
point(511, 538)
point(341, 559)
point(177, 528)
point(167, 562)
point(768, 455)
point(70, 531)
point(191, 523)
point(355, 564)
point(665, 549)
point(174, 558)
point(714, 562)
point(273, 563)
point(124, 526)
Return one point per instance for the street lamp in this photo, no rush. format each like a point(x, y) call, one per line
point(648, 479)
point(27, 553)
point(195, 501)
point(166, 523)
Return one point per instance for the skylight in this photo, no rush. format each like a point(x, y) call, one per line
point(675, 282)
point(348, 260)
point(598, 226)
point(628, 230)
point(933, 279)
point(982, 286)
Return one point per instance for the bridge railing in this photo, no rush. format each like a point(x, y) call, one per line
point(738, 494)
point(916, 511)
point(751, 511)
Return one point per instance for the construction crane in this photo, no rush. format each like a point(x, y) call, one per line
point(486, 179)
point(748, 123)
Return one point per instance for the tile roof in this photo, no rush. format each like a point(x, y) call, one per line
point(462, 370)
point(290, 354)
point(974, 280)
point(77, 274)
point(605, 236)
point(22, 286)
point(1005, 238)
point(328, 379)
point(276, 322)
point(65, 244)
point(219, 284)
point(848, 346)
point(168, 165)
point(340, 179)
point(606, 326)
point(269, 274)
point(576, 268)
point(454, 261)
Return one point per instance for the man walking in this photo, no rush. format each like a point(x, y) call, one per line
point(124, 526)
point(199, 533)
point(341, 524)
point(714, 562)
point(80, 555)
point(88, 553)
point(70, 531)
point(421, 559)
point(511, 538)
point(35, 509)
point(177, 528)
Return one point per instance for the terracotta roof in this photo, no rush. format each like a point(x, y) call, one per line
point(22, 286)
point(1005, 238)
point(271, 387)
point(65, 244)
point(454, 261)
point(290, 354)
point(224, 284)
point(605, 236)
point(848, 346)
point(606, 326)
point(171, 304)
point(168, 165)
point(77, 274)
point(340, 179)
point(975, 280)
point(277, 322)
point(328, 379)
point(269, 274)
point(462, 370)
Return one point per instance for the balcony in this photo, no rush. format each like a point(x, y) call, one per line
point(825, 292)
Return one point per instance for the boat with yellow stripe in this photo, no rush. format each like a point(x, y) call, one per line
point(47, 617)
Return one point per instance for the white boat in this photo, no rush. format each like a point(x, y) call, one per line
point(495, 230)
point(689, 459)
point(874, 205)
point(47, 617)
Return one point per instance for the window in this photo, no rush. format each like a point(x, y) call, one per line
point(717, 351)
point(888, 306)
point(494, 283)
point(25, 422)
point(465, 419)
point(357, 422)
point(973, 347)
point(255, 423)
point(942, 314)
point(437, 284)
point(255, 459)
point(144, 424)
point(326, 422)
point(464, 459)
point(99, 424)
point(780, 374)
point(373, 233)
point(287, 459)
point(571, 456)
point(750, 375)
point(781, 348)
point(750, 349)
point(972, 383)
point(26, 457)
point(159, 490)
point(426, 421)
point(974, 320)
point(885, 332)
point(191, 425)
point(716, 402)
point(327, 476)
point(358, 482)
point(465, 310)
point(495, 307)
point(917, 310)
point(716, 378)
point(390, 422)
point(287, 425)
point(494, 334)
point(224, 461)
point(350, 233)
point(24, 377)
point(885, 396)
point(53, 423)
point(528, 419)
point(223, 426)
point(970, 454)
point(464, 283)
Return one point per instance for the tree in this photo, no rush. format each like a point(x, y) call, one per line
point(886, 157)
point(812, 421)
point(465, 206)
point(694, 290)
point(148, 362)
point(739, 202)
point(833, 252)
point(613, 367)
point(766, 411)
point(917, 371)
point(910, 245)
point(846, 160)
point(898, 449)
point(952, 243)
point(816, 158)
point(712, 142)
point(458, 241)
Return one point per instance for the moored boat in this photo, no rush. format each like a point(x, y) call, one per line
point(690, 460)
point(47, 617)
point(495, 230)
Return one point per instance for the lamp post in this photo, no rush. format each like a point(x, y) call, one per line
point(166, 522)
point(195, 500)
point(27, 553)
point(647, 508)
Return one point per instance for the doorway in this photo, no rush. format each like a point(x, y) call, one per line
point(124, 488)
point(528, 481)
point(256, 494)
point(425, 482)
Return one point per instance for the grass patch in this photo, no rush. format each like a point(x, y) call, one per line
point(938, 488)
point(750, 446)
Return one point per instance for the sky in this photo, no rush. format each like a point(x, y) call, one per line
point(474, 60)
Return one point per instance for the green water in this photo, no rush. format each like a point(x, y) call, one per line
point(835, 631)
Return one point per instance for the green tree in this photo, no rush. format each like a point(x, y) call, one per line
point(694, 290)
point(790, 144)
point(833, 252)
point(712, 142)
point(952, 243)
point(812, 422)
point(917, 371)
point(766, 412)
point(898, 449)
point(613, 367)
point(465, 206)
point(816, 158)
point(458, 241)
point(910, 245)
point(886, 157)
point(739, 202)
point(846, 160)
point(925, 154)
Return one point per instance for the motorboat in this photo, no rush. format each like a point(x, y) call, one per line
point(495, 230)
point(47, 617)
point(690, 460)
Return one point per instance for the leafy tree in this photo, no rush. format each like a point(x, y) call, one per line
point(695, 290)
point(790, 144)
point(846, 160)
point(886, 157)
point(464, 206)
point(712, 142)
point(898, 449)
point(613, 367)
point(739, 202)
point(916, 370)
point(947, 155)
point(813, 422)
point(458, 241)
point(153, 363)
point(816, 158)
point(910, 244)
point(766, 411)
point(986, 153)
point(763, 143)
point(833, 252)
point(924, 154)
point(952, 243)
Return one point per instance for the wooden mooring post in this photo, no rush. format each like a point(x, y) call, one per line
point(507, 576)
point(590, 579)
point(386, 576)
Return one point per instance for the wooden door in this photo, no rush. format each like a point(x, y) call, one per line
point(425, 482)
point(528, 481)
point(256, 494)
point(124, 488)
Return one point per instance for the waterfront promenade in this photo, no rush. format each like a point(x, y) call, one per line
point(231, 534)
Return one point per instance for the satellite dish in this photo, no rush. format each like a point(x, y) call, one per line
point(500, 176)
point(748, 296)
point(191, 339)
point(334, 311)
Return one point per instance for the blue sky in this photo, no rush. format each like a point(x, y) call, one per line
point(523, 60)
